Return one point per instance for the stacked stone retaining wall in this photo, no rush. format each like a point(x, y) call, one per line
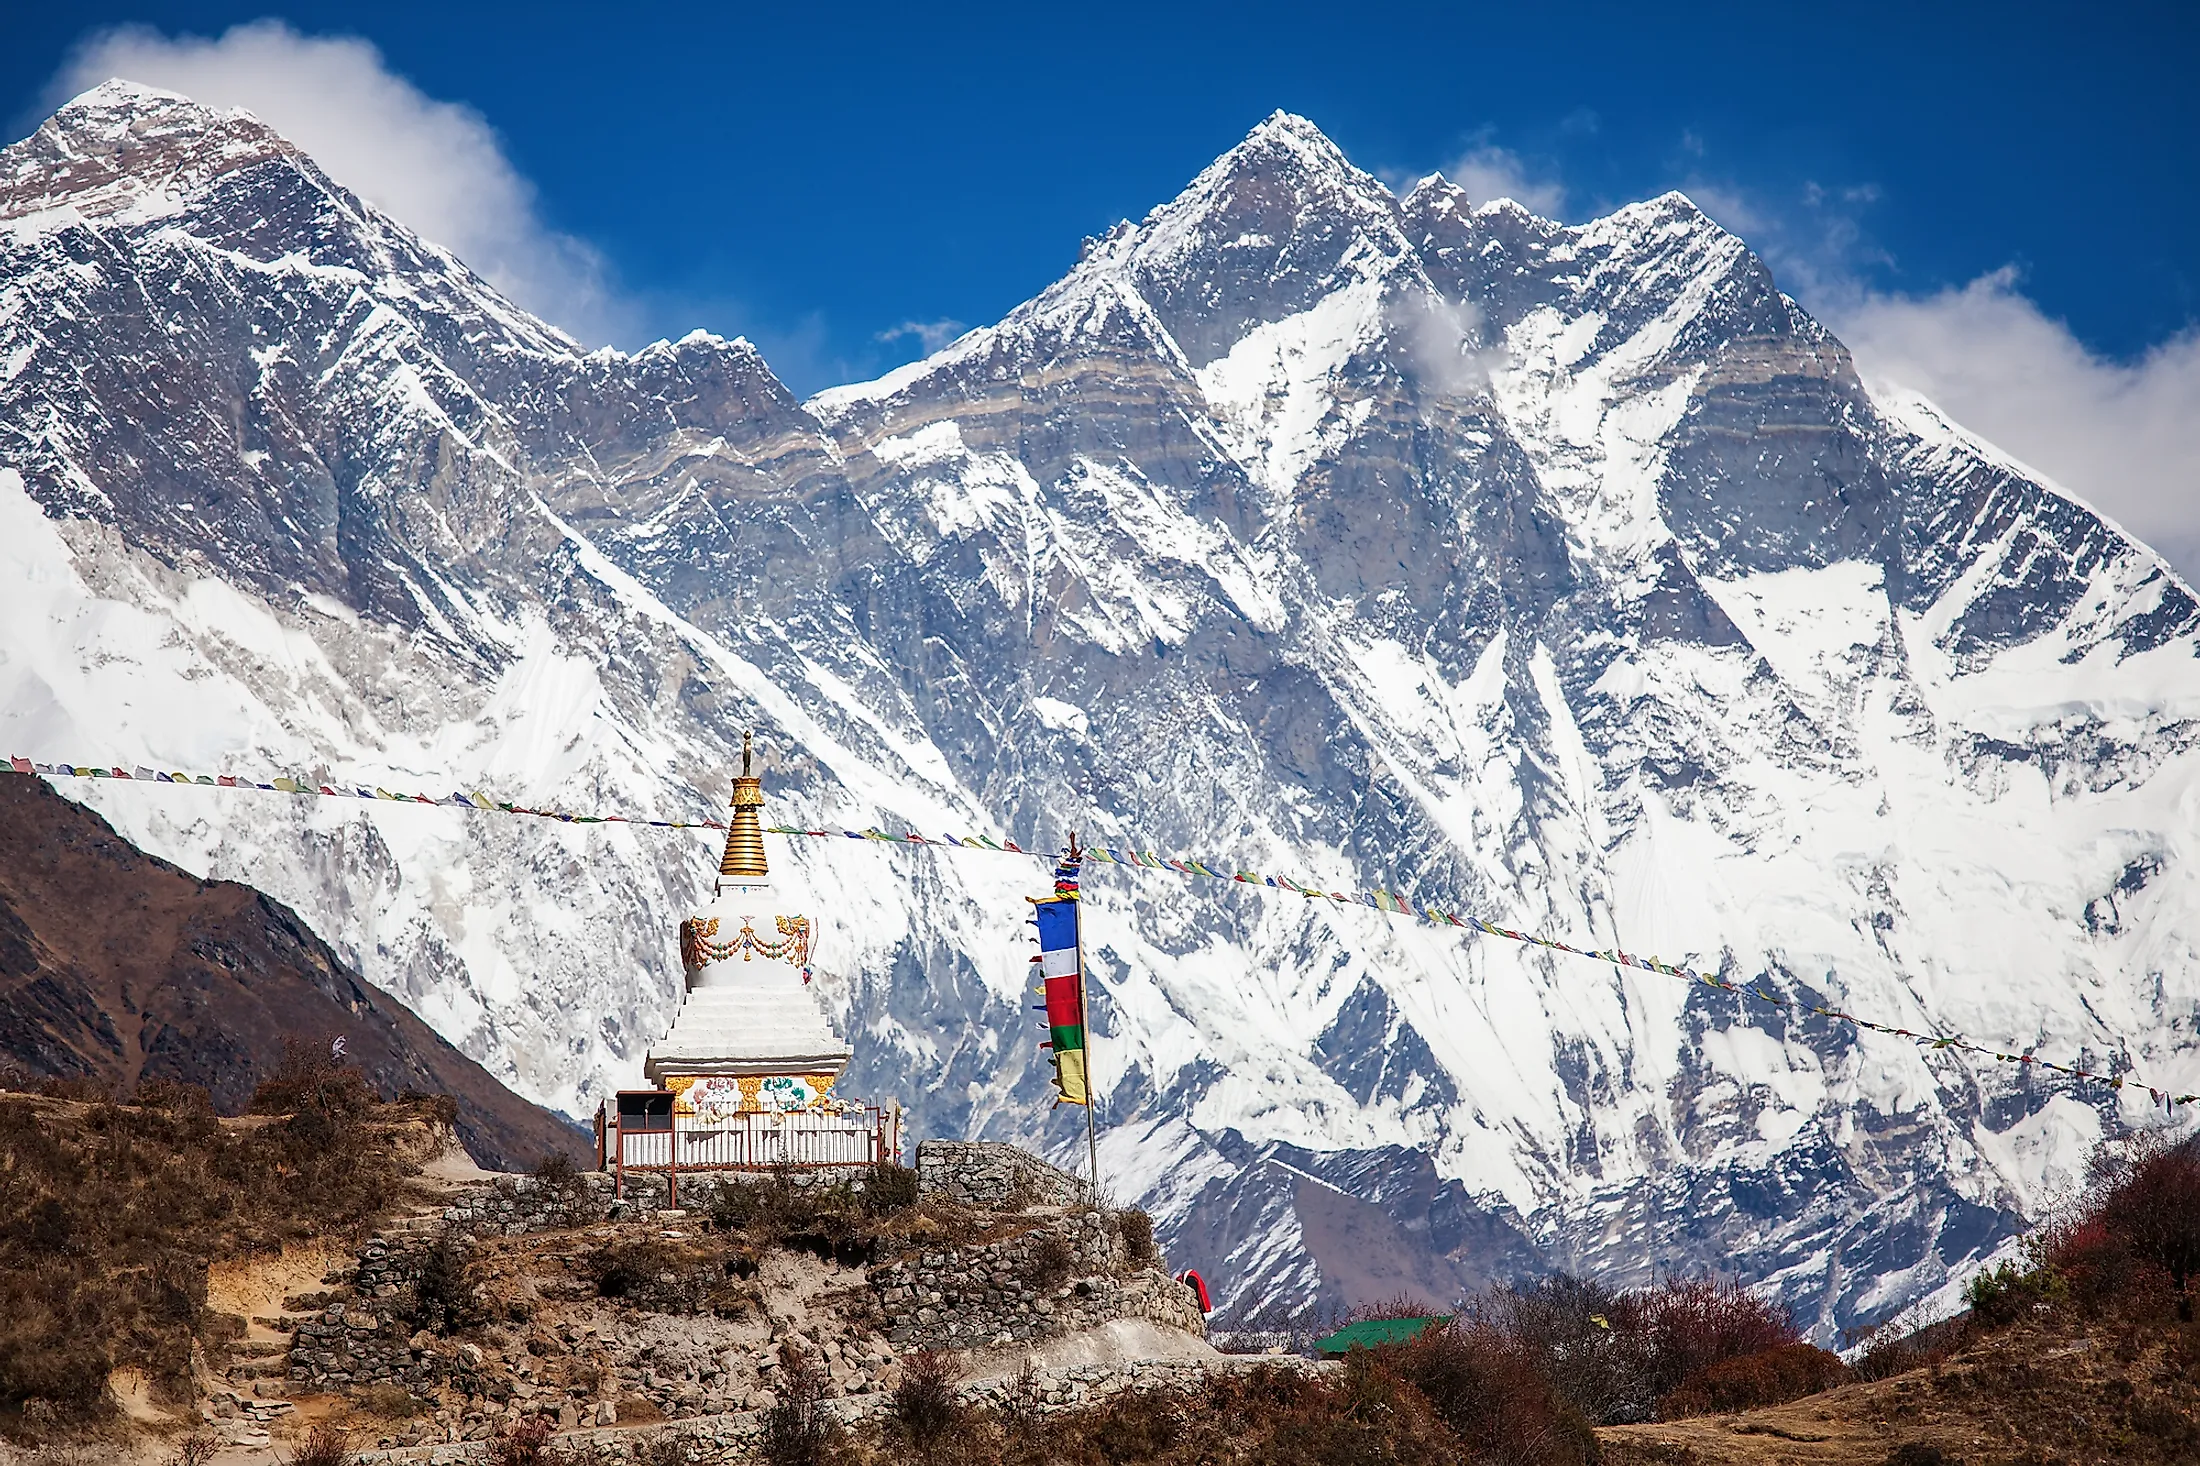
point(994, 1175)
point(1069, 1273)
point(720, 1440)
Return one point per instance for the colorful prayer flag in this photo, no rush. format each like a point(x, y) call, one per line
point(1060, 964)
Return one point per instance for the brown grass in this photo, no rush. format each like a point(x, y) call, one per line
point(110, 1215)
point(854, 1223)
point(324, 1445)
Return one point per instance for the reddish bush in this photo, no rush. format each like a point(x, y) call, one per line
point(1576, 1333)
point(324, 1445)
point(1492, 1393)
point(924, 1403)
point(1771, 1377)
point(1690, 1324)
point(524, 1443)
point(2133, 1241)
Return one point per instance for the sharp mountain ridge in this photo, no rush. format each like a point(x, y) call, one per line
point(1568, 575)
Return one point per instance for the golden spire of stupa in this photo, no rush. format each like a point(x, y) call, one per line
point(745, 839)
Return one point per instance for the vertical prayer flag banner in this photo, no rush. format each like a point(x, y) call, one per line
point(1058, 963)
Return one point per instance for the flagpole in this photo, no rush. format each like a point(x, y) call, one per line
point(1084, 1021)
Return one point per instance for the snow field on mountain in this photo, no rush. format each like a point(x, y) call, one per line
point(1365, 541)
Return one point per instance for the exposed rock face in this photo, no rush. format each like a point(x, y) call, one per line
point(1565, 575)
point(118, 968)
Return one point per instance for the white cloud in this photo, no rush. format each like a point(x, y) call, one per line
point(1487, 172)
point(931, 335)
point(1446, 343)
point(437, 166)
point(2123, 435)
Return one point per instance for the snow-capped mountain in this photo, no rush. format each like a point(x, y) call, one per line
point(1564, 575)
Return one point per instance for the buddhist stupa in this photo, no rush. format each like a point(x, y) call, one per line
point(751, 1035)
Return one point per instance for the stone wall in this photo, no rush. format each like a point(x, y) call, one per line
point(720, 1440)
point(367, 1339)
point(1068, 1273)
point(994, 1175)
point(514, 1206)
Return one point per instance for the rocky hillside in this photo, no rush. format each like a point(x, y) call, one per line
point(1566, 575)
point(118, 968)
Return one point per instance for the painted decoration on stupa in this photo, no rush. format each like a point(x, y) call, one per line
point(713, 1097)
point(699, 943)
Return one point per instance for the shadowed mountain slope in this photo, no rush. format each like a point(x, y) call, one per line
point(118, 968)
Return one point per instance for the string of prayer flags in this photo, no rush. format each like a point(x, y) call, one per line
point(1061, 969)
point(1378, 900)
point(285, 784)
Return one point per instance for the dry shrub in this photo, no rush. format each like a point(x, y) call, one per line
point(924, 1401)
point(1136, 1229)
point(111, 1213)
point(1579, 1335)
point(1691, 1324)
point(571, 1204)
point(1278, 1326)
point(82, 1091)
point(1274, 1416)
point(196, 1449)
point(390, 1402)
point(444, 1297)
point(1612, 1355)
point(523, 1443)
point(311, 1078)
point(324, 1445)
point(2133, 1242)
point(888, 1187)
point(2128, 1247)
point(651, 1275)
point(835, 1223)
point(662, 1450)
point(168, 1094)
point(1047, 1262)
point(1771, 1377)
point(1492, 1393)
point(437, 1109)
point(796, 1431)
point(1897, 1346)
point(70, 1453)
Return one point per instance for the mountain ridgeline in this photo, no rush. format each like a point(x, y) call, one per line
point(1567, 576)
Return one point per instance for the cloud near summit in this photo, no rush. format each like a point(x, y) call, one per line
point(2122, 435)
point(436, 166)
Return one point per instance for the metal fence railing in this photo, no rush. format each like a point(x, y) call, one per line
point(758, 1141)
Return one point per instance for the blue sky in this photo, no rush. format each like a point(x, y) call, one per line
point(1955, 188)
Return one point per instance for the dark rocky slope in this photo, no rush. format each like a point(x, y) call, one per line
point(117, 967)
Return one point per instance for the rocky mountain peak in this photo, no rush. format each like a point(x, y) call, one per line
point(1273, 225)
point(1560, 575)
point(126, 148)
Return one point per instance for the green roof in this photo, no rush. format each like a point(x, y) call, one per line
point(1371, 1332)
